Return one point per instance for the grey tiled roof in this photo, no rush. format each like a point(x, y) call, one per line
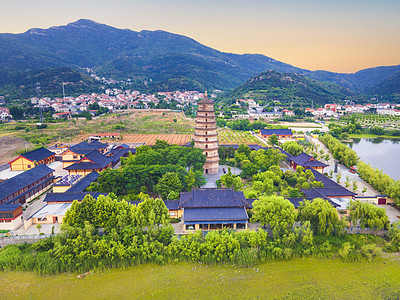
point(38, 154)
point(215, 214)
point(212, 197)
point(16, 183)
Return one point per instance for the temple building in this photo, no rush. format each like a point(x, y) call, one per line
point(206, 136)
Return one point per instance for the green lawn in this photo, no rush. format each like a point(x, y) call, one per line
point(372, 136)
point(293, 279)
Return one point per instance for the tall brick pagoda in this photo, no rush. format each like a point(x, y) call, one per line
point(206, 136)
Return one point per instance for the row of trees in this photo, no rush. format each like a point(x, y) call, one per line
point(112, 233)
point(164, 169)
point(245, 125)
point(319, 215)
point(339, 151)
point(380, 181)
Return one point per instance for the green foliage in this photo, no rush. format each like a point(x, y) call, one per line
point(292, 148)
point(288, 88)
point(230, 180)
point(322, 216)
point(276, 212)
point(273, 140)
point(149, 165)
point(382, 182)
point(368, 215)
point(169, 182)
point(339, 151)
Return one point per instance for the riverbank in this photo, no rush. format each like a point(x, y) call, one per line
point(372, 136)
point(294, 279)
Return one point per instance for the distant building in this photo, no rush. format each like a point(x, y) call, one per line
point(77, 152)
point(281, 134)
point(28, 160)
point(304, 160)
point(92, 161)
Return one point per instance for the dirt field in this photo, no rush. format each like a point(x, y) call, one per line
point(148, 139)
point(9, 145)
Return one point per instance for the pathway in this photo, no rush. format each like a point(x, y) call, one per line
point(212, 178)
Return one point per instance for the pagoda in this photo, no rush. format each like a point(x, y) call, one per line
point(206, 136)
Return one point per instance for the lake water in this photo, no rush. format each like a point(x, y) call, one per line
point(380, 153)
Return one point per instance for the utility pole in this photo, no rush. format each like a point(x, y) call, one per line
point(40, 104)
point(63, 90)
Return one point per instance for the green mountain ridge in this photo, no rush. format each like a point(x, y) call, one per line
point(23, 85)
point(388, 89)
point(289, 88)
point(152, 59)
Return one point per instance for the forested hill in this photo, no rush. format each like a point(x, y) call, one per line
point(388, 88)
point(289, 88)
point(24, 84)
point(153, 60)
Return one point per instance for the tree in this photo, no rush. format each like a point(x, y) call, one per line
point(273, 140)
point(39, 226)
point(322, 215)
point(338, 177)
point(292, 148)
point(394, 235)
point(368, 215)
point(80, 212)
point(355, 186)
point(190, 179)
point(275, 211)
point(168, 182)
point(230, 180)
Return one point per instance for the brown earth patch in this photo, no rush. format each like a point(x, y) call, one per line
point(9, 145)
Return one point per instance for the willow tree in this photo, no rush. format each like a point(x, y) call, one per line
point(323, 217)
point(275, 211)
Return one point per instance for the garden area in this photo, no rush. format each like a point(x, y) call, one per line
point(235, 137)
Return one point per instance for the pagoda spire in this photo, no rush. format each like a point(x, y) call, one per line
point(206, 135)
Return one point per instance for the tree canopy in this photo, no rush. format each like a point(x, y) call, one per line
point(322, 215)
point(275, 211)
point(368, 215)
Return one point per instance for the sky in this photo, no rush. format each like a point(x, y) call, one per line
point(333, 35)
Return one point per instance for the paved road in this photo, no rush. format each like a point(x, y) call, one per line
point(344, 171)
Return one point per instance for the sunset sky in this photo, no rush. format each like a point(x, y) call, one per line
point(334, 35)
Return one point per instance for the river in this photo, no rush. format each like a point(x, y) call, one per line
point(381, 153)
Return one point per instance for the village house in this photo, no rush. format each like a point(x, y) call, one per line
point(28, 160)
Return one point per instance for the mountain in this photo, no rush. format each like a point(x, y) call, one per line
point(389, 88)
point(289, 88)
point(24, 84)
point(153, 60)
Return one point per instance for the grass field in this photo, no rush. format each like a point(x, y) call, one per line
point(293, 279)
point(372, 136)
